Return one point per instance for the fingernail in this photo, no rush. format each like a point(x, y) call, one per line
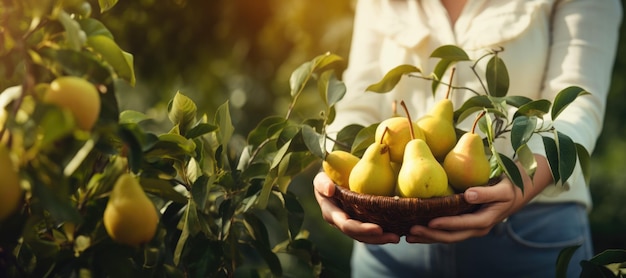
point(471, 196)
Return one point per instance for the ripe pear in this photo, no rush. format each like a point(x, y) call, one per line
point(338, 165)
point(467, 164)
point(438, 128)
point(130, 217)
point(373, 173)
point(77, 95)
point(421, 175)
point(397, 135)
point(10, 189)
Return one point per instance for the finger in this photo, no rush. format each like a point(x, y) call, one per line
point(501, 192)
point(485, 218)
point(428, 235)
point(323, 184)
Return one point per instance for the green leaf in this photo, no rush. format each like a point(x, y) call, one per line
point(182, 112)
point(279, 155)
point(440, 69)
point(172, 146)
point(563, 260)
point(59, 206)
point(535, 108)
point(200, 129)
point(93, 27)
point(328, 61)
point(295, 213)
point(522, 130)
point(114, 56)
point(497, 77)
point(391, 78)
point(75, 63)
point(567, 156)
point(162, 188)
point(511, 170)
point(330, 88)
point(313, 141)
point(74, 36)
point(255, 171)
point(552, 154)
point(591, 270)
point(450, 52)
point(517, 101)
point(261, 132)
point(473, 104)
point(564, 98)
point(527, 159)
point(346, 136)
point(225, 124)
point(54, 124)
point(363, 139)
point(200, 191)
point(132, 117)
point(300, 77)
point(260, 242)
point(585, 162)
point(609, 256)
point(105, 5)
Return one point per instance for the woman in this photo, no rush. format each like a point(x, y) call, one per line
point(548, 45)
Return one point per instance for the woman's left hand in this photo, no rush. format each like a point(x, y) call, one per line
point(497, 203)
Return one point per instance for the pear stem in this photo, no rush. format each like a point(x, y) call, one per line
point(408, 116)
point(384, 134)
point(450, 87)
point(477, 119)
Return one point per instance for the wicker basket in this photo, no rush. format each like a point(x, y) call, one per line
point(397, 215)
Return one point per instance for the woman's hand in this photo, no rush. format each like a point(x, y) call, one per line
point(364, 232)
point(498, 202)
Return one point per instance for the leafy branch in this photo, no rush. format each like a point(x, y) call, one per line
point(526, 121)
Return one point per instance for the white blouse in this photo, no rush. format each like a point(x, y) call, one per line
point(548, 45)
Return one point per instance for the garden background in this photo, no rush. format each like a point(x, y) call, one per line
point(244, 51)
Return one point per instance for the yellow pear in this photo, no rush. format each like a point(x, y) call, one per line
point(77, 95)
point(373, 173)
point(421, 175)
point(467, 164)
point(130, 217)
point(397, 135)
point(10, 190)
point(438, 128)
point(338, 165)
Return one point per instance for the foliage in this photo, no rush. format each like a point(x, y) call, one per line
point(608, 263)
point(222, 213)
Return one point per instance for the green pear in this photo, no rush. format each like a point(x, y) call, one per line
point(373, 173)
point(421, 175)
point(397, 134)
point(130, 217)
point(338, 165)
point(438, 128)
point(467, 164)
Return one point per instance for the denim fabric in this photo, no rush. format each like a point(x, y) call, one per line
point(526, 245)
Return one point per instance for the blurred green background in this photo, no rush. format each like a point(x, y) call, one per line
point(243, 51)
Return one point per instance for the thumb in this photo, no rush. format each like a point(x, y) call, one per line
point(500, 192)
point(323, 184)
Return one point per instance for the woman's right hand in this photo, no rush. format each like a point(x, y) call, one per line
point(371, 233)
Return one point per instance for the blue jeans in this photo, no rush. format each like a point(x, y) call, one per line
point(526, 245)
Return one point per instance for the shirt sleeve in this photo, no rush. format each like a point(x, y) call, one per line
point(583, 48)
